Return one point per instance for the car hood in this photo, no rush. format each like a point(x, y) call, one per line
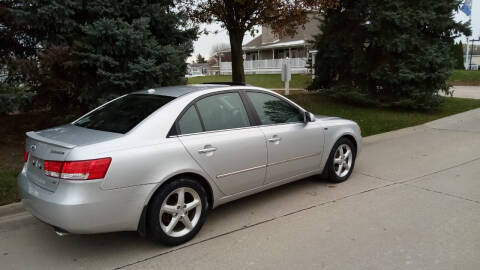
point(327, 118)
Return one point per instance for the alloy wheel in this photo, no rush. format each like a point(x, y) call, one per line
point(180, 212)
point(342, 160)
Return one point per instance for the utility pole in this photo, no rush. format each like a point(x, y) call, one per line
point(286, 75)
point(467, 57)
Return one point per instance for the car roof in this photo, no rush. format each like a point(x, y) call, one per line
point(180, 90)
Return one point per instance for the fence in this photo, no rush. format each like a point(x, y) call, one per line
point(298, 65)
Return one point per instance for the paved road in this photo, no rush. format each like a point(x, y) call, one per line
point(413, 203)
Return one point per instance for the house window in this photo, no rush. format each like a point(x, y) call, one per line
point(281, 53)
point(294, 52)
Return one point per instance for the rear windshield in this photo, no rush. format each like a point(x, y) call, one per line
point(123, 114)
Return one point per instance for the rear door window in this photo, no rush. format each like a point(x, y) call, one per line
point(223, 111)
point(190, 122)
point(123, 114)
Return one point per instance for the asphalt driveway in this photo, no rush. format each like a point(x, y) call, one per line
point(412, 203)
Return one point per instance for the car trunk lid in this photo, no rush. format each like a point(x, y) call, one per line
point(55, 144)
point(40, 149)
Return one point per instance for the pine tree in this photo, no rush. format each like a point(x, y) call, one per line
point(458, 56)
point(201, 59)
point(389, 53)
point(98, 48)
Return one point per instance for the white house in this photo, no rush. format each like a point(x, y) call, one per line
point(475, 61)
point(266, 53)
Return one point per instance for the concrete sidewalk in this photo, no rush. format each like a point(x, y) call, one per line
point(412, 203)
point(466, 92)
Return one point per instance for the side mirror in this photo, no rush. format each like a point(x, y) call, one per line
point(309, 117)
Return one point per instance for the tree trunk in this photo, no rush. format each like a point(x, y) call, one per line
point(236, 40)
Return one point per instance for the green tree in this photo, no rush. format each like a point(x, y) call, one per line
point(389, 53)
point(76, 49)
point(458, 56)
point(239, 17)
point(201, 59)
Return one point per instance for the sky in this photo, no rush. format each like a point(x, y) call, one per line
point(475, 19)
point(204, 44)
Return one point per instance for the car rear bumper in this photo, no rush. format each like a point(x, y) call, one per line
point(82, 207)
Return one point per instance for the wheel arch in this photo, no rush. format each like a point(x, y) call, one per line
point(142, 224)
point(336, 131)
point(351, 138)
point(339, 136)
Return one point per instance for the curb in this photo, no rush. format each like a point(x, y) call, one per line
point(11, 209)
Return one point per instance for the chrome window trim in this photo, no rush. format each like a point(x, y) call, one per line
point(242, 92)
point(232, 129)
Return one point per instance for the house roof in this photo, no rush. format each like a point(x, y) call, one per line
point(256, 44)
point(257, 41)
point(274, 45)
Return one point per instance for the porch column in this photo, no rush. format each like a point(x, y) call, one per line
point(219, 63)
point(273, 60)
point(314, 54)
point(258, 61)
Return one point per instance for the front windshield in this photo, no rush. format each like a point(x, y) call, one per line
point(123, 114)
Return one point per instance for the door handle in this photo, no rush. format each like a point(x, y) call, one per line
point(275, 139)
point(207, 150)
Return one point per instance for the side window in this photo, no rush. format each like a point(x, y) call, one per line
point(223, 111)
point(273, 110)
point(190, 122)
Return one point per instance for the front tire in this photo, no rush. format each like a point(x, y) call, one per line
point(177, 212)
point(341, 161)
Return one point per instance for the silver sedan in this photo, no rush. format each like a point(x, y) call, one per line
point(156, 161)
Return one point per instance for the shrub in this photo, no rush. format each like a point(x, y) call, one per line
point(15, 99)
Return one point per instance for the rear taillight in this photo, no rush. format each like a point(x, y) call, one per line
point(25, 156)
point(78, 170)
point(84, 170)
point(52, 168)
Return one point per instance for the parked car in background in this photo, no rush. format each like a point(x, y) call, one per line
point(157, 160)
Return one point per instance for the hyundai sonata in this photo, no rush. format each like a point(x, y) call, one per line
point(155, 161)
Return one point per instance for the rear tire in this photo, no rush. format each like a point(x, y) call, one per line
point(177, 211)
point(341, 161)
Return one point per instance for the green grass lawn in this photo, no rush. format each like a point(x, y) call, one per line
point(371, 120)
point(261, 80)
point(459, 77)
point(379, 120)
point(8, 185)
point(465, 77)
